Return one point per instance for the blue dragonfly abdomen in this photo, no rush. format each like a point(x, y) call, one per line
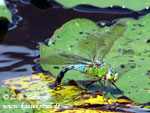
point(94, 70)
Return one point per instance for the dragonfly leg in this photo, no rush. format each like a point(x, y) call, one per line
point(103, 85)
point(109, 84)
point(115, 86)
point(100, 81)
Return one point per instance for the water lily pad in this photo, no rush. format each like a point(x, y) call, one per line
point(133, 48)
point(129, 55)
point(138, 5)
point(4, 12)
point(65, 40)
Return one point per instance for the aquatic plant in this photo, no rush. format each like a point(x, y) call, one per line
point(132, 5)
point(125, 56)
point(4, 12)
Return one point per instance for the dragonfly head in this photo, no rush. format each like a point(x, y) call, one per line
point(112, 76)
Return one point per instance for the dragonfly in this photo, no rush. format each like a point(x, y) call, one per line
point(90, 57)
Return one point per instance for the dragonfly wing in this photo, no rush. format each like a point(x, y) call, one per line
point(89, 46)
point(110, 37)
point(96, 46)
point(62, 59)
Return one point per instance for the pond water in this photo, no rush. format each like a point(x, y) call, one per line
point(33, 26)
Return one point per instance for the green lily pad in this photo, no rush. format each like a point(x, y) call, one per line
point(65, 40)
point(129, 55)
point(9, 104)
point(138, 5)
point(133, 48)
point(4, 12)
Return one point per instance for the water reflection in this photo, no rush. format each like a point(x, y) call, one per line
point(15, 18)
point(16, 61)
point(22, 1)
point(111, 10)
point(25, 1)
point(134, 110)
point(92, 9)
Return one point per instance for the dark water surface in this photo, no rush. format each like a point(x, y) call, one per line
point(20, 45)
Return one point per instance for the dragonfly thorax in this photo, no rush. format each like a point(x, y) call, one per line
point(96, 69)
point(101, 70)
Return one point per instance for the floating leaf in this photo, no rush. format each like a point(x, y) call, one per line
point(138, 5)
point(72, 34)
point(4, 12)
point(129, 55)
point(133, 48)
point(65, 39)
